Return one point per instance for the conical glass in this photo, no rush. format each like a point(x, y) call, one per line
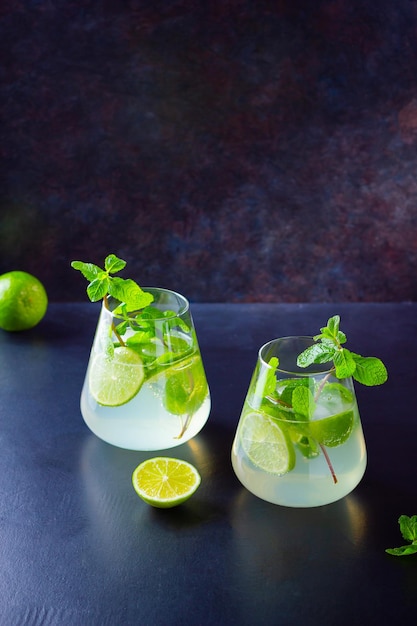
point(299, 441)
point(145, 386)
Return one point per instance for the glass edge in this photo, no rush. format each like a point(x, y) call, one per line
point(298, 374)
point(185, 308)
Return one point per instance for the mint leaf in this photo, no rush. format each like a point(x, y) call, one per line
point(185, 389)
point(267, 381)
point(317, 353)
point(128, 292)
point(332, 327)
point(139, 337)
point(331, 331)
point(333, 324)
point(97, 289)
point(369, 370)
point(408, 528)
point(303, 402)
point(403, 550)
point(270, 379)
point(122, 327)
point(286, 388)
point(308, 447)
point(341, 337)
point(88, 270)
point(113, 264)
point(150, 313)
point(344, 363)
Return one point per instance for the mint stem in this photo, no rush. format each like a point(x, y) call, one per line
point(184, 426)
point(278, 401)
point(323, 382)
point(329, 463)
point(323, 449)
point(187, 421)
point(114, 329)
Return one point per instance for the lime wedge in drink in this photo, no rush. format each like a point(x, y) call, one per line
point(334, 430)
point(116, 379)
point(267, 445)
point(164, 482)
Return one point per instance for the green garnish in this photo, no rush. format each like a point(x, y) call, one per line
point(369, 371)
point(103, 284)
point(408, 528)
point(135, 313)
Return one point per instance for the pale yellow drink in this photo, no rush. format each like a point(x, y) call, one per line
point(310, 482)
point(299, 440)
point(145, 386)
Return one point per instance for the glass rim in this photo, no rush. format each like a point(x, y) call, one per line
point(301, 372)
point(183, 304)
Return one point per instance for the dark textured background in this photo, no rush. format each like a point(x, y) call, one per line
point(233, 151)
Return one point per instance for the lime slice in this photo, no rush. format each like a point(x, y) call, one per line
point(114, 380)
point(267, 445)
point(334, 430)
point(165, 482)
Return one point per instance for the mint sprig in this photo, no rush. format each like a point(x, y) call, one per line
point(369, 371)
point(103, 284)
point(408, 528)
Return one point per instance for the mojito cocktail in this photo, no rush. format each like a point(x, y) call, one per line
point(299, 441)
point(146, 389)
point(145, 386)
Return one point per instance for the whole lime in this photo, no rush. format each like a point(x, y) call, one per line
point(23, 301)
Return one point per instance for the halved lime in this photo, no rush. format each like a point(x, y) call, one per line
point(116, 379)
point(267, 445)
point(164, 482)
point(334, 430)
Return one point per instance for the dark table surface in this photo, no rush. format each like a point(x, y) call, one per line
point(77, 546)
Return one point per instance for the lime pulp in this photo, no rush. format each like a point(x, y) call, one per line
point(267, 445)
point(165, 482)
point(114, 380)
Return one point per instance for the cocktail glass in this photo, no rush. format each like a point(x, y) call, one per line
point(299, 440)
point(145, 386)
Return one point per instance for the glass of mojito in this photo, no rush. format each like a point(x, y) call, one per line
point(145, 386)
point(299, 441)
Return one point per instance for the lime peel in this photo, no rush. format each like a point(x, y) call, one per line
point(165, 482)
point(334, 430)
point(23, 301)
point(115, 380)
point(267, 445)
